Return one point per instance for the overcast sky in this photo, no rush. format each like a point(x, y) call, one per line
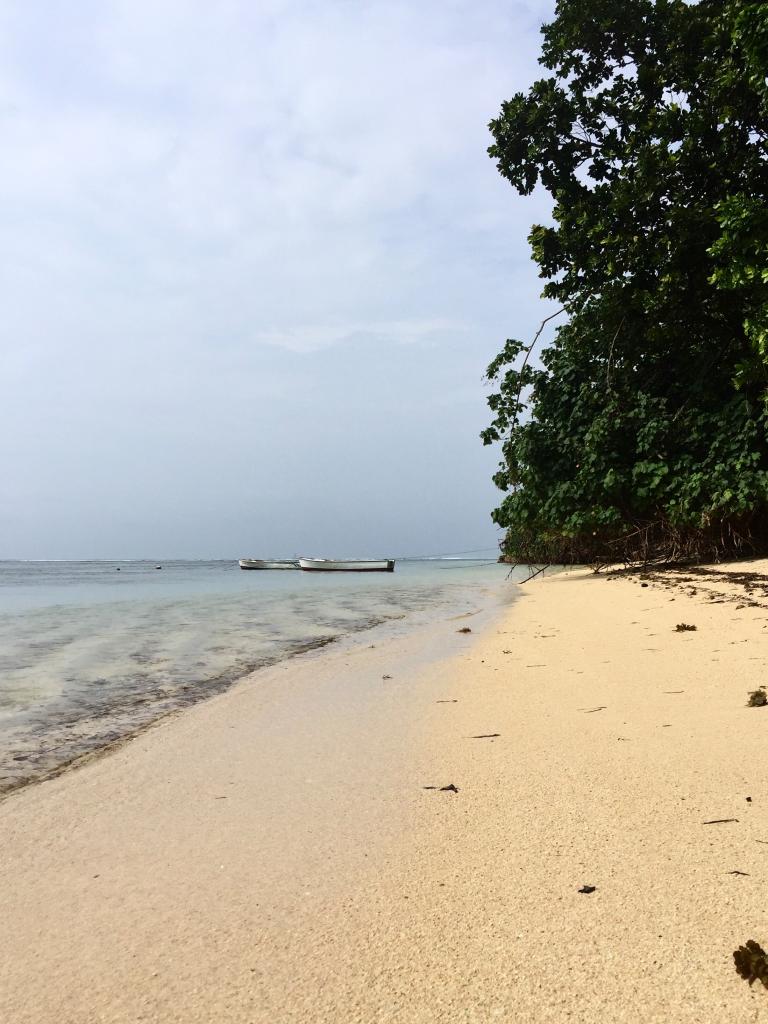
point(255, 261)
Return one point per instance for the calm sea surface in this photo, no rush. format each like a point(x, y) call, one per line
point(89, 654)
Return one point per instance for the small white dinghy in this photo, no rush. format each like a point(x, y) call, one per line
point(263, 563)
point(344, 565)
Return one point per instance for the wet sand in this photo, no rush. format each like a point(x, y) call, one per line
point(273, 855)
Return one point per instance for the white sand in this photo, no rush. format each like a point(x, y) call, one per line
point(271, 855)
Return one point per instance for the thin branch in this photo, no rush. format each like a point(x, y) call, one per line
point(535, 574)
point(610, 354)
point(528, 352)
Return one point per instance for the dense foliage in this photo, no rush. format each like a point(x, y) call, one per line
point(643, 432)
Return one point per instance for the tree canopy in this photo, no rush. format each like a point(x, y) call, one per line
point(643, 432)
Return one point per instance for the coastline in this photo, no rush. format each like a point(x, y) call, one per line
point(272, 853)
point(84, 673)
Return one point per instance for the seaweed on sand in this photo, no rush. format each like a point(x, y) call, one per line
point(752, 963)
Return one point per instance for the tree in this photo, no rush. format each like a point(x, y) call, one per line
point(645, 433)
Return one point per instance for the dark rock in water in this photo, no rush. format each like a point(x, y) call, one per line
point(117, 569)
point(587, 888)
point(158, 567)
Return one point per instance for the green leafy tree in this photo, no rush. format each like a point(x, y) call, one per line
point(741, 251)
point(643, 432)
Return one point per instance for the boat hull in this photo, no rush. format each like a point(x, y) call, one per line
point(340, 565)
point(262, 563)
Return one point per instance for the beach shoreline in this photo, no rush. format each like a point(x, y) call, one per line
point(286, 850)
point(83, 674)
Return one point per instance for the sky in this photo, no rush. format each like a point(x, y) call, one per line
point(255, 262)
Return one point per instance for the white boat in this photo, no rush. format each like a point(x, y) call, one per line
point(263, 563)
point(347, 565)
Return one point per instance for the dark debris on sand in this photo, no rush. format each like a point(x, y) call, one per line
point(751, 963)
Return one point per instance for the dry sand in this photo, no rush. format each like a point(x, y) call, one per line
point(272, 856)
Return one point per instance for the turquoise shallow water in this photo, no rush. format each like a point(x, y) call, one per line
point(89, 654)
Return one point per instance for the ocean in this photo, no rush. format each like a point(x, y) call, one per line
point(90, 655)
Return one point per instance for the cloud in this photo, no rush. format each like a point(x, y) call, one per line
point(312, 337)
point(187, 182)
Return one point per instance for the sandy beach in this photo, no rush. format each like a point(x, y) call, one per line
point(274, 854)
